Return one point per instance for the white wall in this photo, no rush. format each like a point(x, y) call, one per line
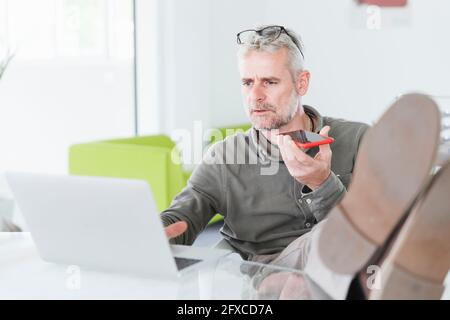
point(186, 71)
point(46, 107)
point(148, 41)
point(356, 72)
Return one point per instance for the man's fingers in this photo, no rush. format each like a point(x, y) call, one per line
point(324, 131)
point(176, 229)
point(295, 153)
point(291, 153)
point(282, 147)
point(278, 139)
point(325, 149)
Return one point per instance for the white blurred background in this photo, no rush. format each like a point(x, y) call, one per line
point(72, 77)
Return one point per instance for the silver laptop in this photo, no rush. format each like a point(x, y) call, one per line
point(105, 224)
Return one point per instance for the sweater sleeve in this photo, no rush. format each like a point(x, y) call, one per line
point(199, 201)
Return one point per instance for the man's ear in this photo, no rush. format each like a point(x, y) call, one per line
point(302, 83)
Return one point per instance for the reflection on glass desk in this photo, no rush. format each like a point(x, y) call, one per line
point(24, 275)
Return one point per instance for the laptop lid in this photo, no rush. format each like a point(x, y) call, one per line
point(94, 222)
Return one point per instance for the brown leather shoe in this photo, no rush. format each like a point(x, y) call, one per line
point(417, 264)
point(393, 164)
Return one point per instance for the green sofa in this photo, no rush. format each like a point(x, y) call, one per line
point(152, 158)
point(146, 158)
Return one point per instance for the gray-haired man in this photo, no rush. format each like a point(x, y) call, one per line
point(269, 213)
point(266, 210)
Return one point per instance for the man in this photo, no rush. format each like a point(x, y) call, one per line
point(270, 202)
point(269, 213)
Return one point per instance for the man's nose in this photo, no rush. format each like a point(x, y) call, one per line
point(257, 94)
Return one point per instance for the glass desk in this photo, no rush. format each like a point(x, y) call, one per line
point(23, 275)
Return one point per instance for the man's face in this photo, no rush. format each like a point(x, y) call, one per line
point(268, 90)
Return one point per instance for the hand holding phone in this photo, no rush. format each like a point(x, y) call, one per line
point(311, 171)
point(306, 139)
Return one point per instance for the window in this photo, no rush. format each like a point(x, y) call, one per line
point(71, 79)
point(49, 29)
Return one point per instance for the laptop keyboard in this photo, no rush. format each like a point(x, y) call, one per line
point(185, 262)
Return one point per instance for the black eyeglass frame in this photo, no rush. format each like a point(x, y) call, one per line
point(259, 32)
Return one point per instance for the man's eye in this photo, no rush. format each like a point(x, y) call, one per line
point(246, 84)
point(271, 82)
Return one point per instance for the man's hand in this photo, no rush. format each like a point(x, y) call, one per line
point(176, 229)
point(311, 172)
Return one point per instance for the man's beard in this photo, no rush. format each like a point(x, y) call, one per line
point(277, 121)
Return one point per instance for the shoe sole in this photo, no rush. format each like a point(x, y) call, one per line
point(393, 163)
point(419, 260)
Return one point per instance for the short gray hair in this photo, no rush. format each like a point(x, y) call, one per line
point(261, 43)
